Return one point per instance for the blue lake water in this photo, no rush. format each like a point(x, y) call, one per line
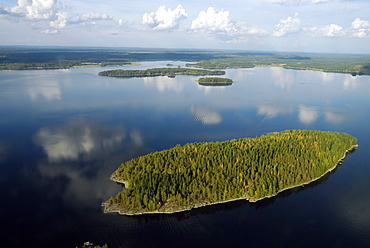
point(63, 132)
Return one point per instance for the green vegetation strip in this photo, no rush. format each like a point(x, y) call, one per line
point(171, 72)
point(215, 81)
point(350, 64)
point(200, 174)
point(39, 58)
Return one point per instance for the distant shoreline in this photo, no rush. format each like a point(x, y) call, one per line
point(47, 58)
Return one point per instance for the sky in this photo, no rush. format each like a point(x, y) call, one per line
point(329, 26)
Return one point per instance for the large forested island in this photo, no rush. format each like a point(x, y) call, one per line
point(200, 174)
point(170, 72)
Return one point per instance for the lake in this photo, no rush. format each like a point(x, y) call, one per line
point(63, 132)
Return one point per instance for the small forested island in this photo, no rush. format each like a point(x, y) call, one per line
point(199, 174)
point(215, 81)
point(170, 72)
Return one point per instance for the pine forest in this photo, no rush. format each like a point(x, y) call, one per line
point(205, 173)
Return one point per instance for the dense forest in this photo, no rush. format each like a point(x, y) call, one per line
point(198, 174)
point(351, 64)
point(170, 72)
point(215, 81)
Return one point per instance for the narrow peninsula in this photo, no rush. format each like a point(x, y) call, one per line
point(170, 72)
point(199, 174)
point(215, 81)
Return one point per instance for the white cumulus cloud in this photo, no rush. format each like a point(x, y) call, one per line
point(213, 21)
point(121, 22)
point(164, 19)
point(219, 23)
point(50, 13)
point(297, 2)
point(332, 30)
point(50, 31)
point(96, 16)
point(360, 28)
point(33, 9)
point(287, 26)
point(63, 19)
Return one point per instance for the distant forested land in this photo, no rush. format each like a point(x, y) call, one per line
point(350, 64)
point(37, 58)
point(199, 174)
point(215, 81)
point(170, 72)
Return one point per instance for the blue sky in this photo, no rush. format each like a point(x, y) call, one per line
point(341, 26)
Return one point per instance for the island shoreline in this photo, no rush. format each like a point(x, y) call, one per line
point(116, 209)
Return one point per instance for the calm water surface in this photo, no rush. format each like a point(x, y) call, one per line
point(63, 132)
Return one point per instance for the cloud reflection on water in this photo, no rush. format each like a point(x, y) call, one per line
point(327, 77)
point(137, 138)
point(271, 111)
point(48, 90)
point(307, 115)
point(282, 77)
point(164, 84)
point(334, 117)
point(208, 90)
point(86, 153)
point(206, 115)
point(76, 137)
point(350, 82)
point(82, 189)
